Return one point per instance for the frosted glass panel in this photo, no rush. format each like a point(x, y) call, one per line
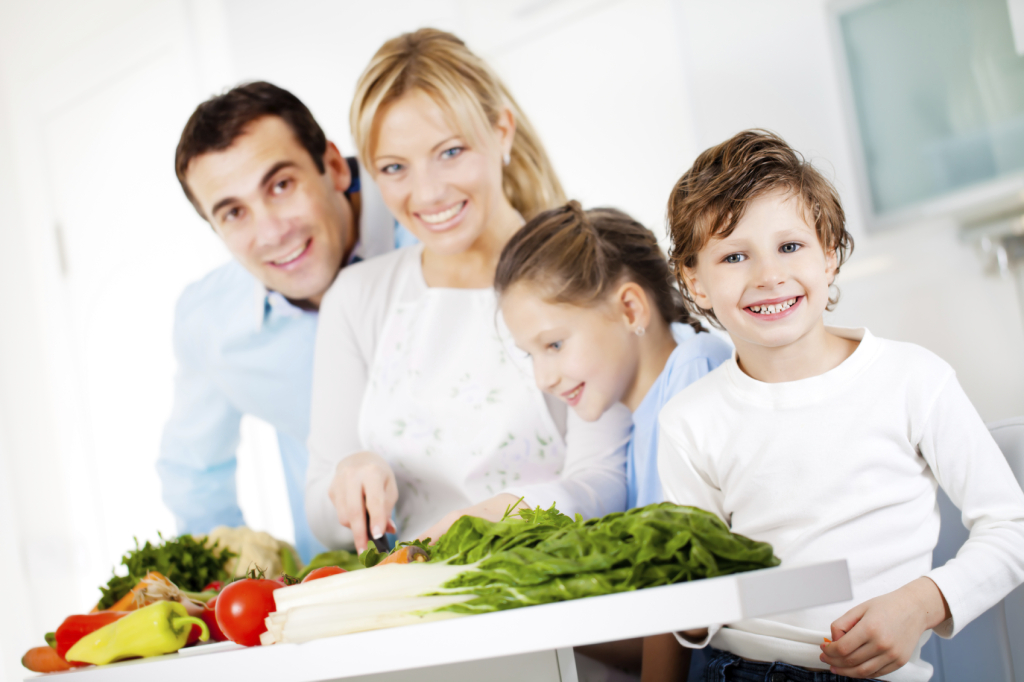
point(939, 93)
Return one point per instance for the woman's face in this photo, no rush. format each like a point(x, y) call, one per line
point(438, 184)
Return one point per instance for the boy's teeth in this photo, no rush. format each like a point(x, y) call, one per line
point(435, 218)
point(773, 308)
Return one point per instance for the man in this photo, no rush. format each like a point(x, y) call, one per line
point(292, 211)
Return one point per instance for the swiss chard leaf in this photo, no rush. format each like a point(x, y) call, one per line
point(541, 556)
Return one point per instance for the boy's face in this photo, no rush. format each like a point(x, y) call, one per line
point(585, 356)
point(287, 223)
point(768, 281)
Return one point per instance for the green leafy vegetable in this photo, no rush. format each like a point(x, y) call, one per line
point(544, 556)
point(347, 560)
point(532, 556)
point(184, 560)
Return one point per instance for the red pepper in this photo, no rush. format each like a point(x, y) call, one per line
point(215, 586)
point(209, 616)
point(75, 628)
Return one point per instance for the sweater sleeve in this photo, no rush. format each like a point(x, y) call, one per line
point(593, 480)
point(974, 473)
point(340, 373)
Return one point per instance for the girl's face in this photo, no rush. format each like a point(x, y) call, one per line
point(586, 356)
point(438, 184)
point(767, 281)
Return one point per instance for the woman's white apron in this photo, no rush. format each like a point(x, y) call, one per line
point(452, 405)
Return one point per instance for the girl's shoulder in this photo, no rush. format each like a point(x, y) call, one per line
point(695, 357)
point(692, 346)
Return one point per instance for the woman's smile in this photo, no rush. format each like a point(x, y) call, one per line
point(445, 219)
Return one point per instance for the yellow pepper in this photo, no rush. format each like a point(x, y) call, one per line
point(160, 628)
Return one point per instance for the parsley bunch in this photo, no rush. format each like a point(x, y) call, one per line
point(185, 561)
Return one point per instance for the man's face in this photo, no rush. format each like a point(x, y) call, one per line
point(285, 222)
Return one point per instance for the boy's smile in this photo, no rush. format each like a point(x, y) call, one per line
point(768, 281)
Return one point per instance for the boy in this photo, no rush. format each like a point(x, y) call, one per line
point(825, 442)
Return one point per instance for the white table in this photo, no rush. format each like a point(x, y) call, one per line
point(532, 643)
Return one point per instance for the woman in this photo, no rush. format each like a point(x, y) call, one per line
point(421, 403)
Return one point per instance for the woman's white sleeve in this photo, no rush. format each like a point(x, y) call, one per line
point(339, 380)
point(593, 480)
point(974, 473)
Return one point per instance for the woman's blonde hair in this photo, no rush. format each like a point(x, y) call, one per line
point(470, 93)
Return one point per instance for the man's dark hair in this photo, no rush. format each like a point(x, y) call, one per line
point(217, 123)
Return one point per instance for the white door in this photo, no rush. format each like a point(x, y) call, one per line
point(130, 242)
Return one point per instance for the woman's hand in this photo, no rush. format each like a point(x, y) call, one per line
point(491, 509)
point(364, 484)
point(880, 635)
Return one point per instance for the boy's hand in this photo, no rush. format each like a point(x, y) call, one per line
point(880, 635)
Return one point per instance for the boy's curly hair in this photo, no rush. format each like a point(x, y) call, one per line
point(708, 201)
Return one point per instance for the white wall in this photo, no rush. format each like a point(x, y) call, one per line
point(772, 65)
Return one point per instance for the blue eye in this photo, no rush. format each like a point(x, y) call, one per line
point(555, 345)
point(790, 247)
point(391, 168)
point(451, 153)
point(734, 258)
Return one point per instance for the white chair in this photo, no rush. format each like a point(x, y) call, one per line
point(991, 648)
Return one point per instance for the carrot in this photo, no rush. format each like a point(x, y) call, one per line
point(43, 659)
point(135, 598)
point(407, 554)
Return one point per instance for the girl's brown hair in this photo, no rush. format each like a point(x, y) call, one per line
point(708, 201)
point(578, 256)
point(469, 92)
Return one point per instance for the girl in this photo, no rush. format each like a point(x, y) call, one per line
point(589, 296)
point(417, 407)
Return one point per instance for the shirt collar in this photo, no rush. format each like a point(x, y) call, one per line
point(267, 302)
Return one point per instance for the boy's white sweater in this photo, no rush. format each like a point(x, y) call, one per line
point(844, 465)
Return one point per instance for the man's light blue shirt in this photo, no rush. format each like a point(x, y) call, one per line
point(244, 350)
point(694, 356)
point(240, 350)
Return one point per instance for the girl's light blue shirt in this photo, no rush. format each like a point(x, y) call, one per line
point(694, 356)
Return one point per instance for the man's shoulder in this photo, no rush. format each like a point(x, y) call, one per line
point(224, 293)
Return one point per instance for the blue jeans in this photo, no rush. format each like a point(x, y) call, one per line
point(721, 666)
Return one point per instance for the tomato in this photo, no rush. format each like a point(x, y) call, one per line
point(323, 572)
point(209, 616)
point(214, 586)
point(242, 608)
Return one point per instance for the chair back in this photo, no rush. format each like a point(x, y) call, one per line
point(990, 648)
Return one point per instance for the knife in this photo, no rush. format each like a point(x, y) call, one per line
point(380, 543)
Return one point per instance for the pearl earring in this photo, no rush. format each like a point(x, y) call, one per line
point(639, 331)
point(507, 158)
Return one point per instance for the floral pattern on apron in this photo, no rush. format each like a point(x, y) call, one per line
point(452, 405)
